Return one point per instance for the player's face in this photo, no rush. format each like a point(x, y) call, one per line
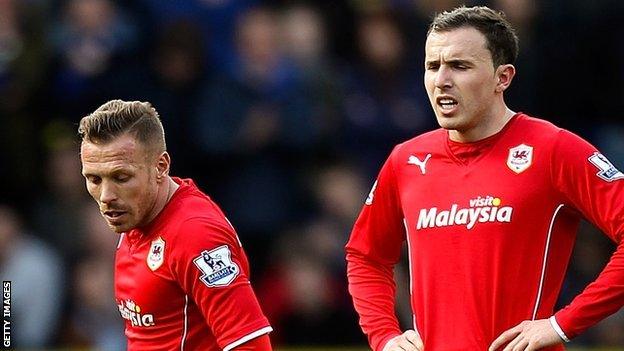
point(460, 79)
point(121, 177)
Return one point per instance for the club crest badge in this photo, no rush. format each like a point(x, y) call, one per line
point(606, 169)
point(520, 158)
point(217, 266)
point(156, 254)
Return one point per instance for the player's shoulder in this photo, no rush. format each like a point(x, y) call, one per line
point(191, 202)
point(196, 214)
point(532, 124)
point(202, 231)
point(427, 138)
point(532, 131)
point(541, 130)
point(202, 217)
point(430, 141)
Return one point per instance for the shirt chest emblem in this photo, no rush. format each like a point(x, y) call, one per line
point(520, 158)
point(156, 254)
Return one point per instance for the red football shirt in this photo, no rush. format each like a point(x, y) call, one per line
point(182, 282)
point(490, 228)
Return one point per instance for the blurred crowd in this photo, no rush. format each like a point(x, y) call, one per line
point(282, 111)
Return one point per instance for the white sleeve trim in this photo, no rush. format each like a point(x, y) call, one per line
point(555, 325)
point(248, 337)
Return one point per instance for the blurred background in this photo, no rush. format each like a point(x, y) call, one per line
point(283, 112)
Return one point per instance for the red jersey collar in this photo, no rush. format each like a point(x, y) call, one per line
point(185, 186)
point(464, 153)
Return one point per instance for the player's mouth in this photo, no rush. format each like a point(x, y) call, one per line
point(446, 104)
point(113, 216)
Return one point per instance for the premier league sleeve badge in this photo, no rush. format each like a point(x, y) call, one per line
point(217, 266)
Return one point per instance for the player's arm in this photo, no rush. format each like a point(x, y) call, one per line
point(590, 184)
point(211, 267)
point(372, 251)
point(595, 188)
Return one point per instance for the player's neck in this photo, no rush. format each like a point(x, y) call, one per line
point(172, 187)
point(164, 196)
point(485, 129)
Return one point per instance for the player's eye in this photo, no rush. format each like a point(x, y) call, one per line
point(94, 179)
point(122, 178)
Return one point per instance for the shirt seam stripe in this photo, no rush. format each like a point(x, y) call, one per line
point(185, 323)
point(409, 265)
point(543, 274)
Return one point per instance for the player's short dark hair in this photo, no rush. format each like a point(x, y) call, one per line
point(501, 38)
point(118, 117)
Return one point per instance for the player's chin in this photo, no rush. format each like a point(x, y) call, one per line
point(447, 122)
point(120, 227)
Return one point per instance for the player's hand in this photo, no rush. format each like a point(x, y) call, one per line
point(527, 336)
point(408, 341)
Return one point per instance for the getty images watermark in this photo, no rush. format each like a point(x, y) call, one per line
point(6, 313)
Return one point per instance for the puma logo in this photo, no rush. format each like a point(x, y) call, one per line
point(413, 160)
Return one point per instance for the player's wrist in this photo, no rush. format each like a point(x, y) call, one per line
point(557, 328)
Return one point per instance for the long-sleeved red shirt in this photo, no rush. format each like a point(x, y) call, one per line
point(182, 282)
point(490, 228)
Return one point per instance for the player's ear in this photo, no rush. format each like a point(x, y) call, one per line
point(504, 74)
point(162, 166)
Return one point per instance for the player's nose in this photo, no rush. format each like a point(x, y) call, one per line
point(107, 193)
point(443, 79)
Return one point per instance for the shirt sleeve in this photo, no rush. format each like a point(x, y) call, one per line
point(372, 251)
point(210, 265)
point(261, 343)
point(588, 182)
